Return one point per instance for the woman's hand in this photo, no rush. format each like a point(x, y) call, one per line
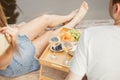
point(11, 34)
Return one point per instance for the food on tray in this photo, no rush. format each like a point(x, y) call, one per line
point(75, 33)
point(57, 48)
point(67, 37)
point(68, 34)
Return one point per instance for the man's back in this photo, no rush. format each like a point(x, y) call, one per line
point(98, 54)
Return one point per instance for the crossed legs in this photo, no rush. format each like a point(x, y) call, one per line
point(42, 41)
point(34, 27)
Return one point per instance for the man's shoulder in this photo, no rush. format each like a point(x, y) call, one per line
point(99, 29)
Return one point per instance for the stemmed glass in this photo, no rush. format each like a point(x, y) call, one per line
point(74, 46)
point(67, 46)
point(54, 41)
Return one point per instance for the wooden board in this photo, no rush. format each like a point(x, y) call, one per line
point(57, 63)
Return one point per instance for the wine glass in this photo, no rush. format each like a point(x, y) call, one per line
point(67, 46)
point(54, 41)
point(74, 46)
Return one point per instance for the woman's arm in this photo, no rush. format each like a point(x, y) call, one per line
point(6, 58)
point(11, 35)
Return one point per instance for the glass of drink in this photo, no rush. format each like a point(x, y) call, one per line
point(67, 46)
point(54, 41)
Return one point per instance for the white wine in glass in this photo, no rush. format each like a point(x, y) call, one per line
point(67, 46)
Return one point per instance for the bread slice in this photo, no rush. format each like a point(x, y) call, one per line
point(65, 35)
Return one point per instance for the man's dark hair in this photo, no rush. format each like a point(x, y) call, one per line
point(116, 1)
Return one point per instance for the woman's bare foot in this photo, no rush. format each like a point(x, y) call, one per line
point(79, 16)
point(76, 20)
point(71, 16)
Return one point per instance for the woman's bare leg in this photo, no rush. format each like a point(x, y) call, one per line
point(34, 27)
point(42, 41)
point(79, 16)
point(76, 20)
